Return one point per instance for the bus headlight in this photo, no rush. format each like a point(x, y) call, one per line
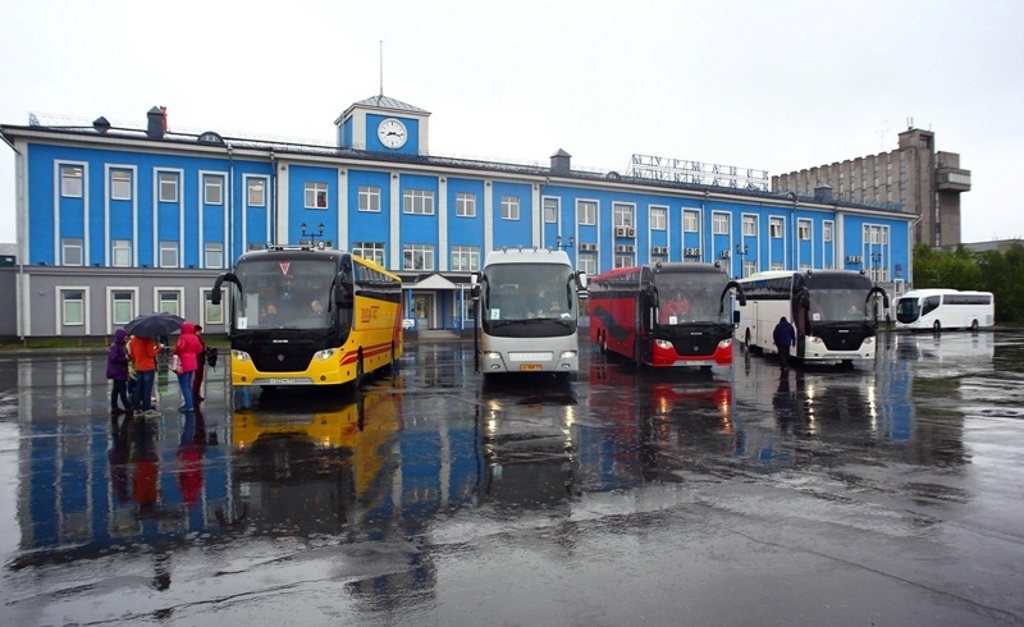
point(325, 354)
point(663, 344)
point(240, 355)
point(814, 339)
point(568, 355)
point(869, 340)
point(725, 344)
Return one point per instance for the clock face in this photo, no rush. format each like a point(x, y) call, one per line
point(392, 133)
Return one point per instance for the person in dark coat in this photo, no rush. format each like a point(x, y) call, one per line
point(197, 380)
point(783, 337)
point(117, 372)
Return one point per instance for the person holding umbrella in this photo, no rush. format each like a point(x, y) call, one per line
point(143, 351)
point(187, 349)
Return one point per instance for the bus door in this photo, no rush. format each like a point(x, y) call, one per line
point(648, 305)
point(801, 318)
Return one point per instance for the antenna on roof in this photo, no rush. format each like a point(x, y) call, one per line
point(381, 67)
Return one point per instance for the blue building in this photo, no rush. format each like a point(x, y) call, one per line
point(115, 221)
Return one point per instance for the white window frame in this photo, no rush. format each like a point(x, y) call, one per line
point(72, 180)
point(165, 249)
point(133, 302)
point(465, 205)
point(827, 229)
point(587, 262)
point(212, 314)
point(256, 192)
point(749, 268)
point(658, 216)
point(369, 198)
point(510, 207)
point(167, 185)
point(624, 260)
point(213, 189)
point(586, 212)
point(374, 251)
point(315, 195)
point(121, 183)
point(550, 208)
point(179, 299)
point(68, 246)
point(425, 254)
point(749, 225)
point(776, 227)
point(623, 215)
point(213, 255)
point(121, 253)
point(720, 223)
point(691, 221)
point(63, 300)
point(419, 202)
point(465, 259)
point(804, 229)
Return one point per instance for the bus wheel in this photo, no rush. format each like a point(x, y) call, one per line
point(974, 325)
point(937, 327)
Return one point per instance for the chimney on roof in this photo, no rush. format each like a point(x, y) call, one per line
point(157, 123)
point(560, 162)
point(101, 124)
point(823, 192)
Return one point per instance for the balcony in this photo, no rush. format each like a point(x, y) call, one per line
point(952, 179)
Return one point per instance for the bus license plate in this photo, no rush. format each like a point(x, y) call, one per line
point(530, 367)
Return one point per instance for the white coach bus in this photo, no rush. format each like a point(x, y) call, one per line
point(939, 309)
point(832, 312)
point(527, 312)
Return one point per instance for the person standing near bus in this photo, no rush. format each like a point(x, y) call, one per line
point(187, 349)
point(143, 352)
point(783, 337)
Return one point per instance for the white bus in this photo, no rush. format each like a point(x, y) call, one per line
point(832, 313)
point(939, 309)
point(527, 312)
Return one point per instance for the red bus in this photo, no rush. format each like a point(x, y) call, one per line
point(665, 314)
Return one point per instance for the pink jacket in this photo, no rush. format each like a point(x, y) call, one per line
point(188, 347)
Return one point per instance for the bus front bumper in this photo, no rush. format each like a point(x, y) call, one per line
point(530, 361)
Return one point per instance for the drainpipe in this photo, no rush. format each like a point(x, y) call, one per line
point(231, 207)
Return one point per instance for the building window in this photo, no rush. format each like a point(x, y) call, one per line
point(369, 198)
point(121, 251)
point(71, 181)
point(168, 187)
point(417, 257)
point(465, 258)
point(623, 260)
point(122, 307)
point(586, 212)
point(256, 193)
point(120, 185)
point(418, 202)
point(659, 258)
point(749, 268)
point(826, 231)
point(622, 215)
point(316, 195)
point(72, 251)
point(883, 235)
point(72, 308)
point(550, 210)
point(212, 314)
point(720, 223)
point(213, 255)
point(750, 226)
point(659, 218)
point(169, 301)
point(213, 190)
point(803, 230)
point(777, 265)
point(691, 219)
point(509, 207)
point(168, 254)
point(465, 205)
point(775, 228)
point(588, 263)
point(373, 251)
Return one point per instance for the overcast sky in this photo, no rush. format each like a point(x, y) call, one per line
point(779, 85)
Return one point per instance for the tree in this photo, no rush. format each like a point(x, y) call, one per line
point(991, 271)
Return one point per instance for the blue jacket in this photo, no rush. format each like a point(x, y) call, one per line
point(783, 334)
point(117, 358)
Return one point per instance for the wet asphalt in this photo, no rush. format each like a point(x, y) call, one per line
point(885, 494)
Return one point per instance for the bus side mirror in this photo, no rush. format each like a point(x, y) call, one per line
point(581, 280)
point(474, 286)
point(230, 277)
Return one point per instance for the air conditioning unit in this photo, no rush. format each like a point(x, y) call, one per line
point(588, 247)
point(630, 249)
point(725, 254)
point(620, 231)
point(620, 248)
point(659, 250)
point(630, 232)
point(691, 252)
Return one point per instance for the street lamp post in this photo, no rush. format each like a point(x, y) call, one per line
point(741, 252)
point(561, 246)
point(313, 236)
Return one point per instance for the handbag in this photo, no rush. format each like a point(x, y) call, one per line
point(176, 364)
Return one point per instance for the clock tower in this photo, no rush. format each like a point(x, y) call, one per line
point(383, 124)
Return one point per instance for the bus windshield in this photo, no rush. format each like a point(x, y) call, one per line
point(838, 299)
point(908, 309)
point(691, 297)
point(519, 291)
point(284, 294)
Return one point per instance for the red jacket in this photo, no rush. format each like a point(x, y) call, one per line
point(188, 347)
point(143, 352)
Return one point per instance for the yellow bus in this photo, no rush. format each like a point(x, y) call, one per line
point(309, 315)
